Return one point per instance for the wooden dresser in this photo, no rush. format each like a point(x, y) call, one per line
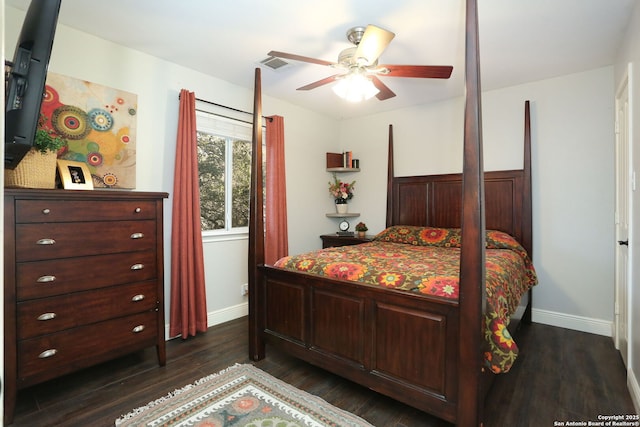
point(83, 281)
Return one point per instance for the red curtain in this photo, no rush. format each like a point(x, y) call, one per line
point(276, 235)
point(188, 308)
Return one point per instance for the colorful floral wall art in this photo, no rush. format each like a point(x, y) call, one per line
point(99, 125)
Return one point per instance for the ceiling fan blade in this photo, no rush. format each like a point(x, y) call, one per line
point(385, 92)
point(374, 41)
point(300, 58)
point(319, 83)
point(418, 71)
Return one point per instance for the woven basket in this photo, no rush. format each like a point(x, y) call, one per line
point(35, 170)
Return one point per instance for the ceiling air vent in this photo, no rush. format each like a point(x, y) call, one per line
point(274, 63)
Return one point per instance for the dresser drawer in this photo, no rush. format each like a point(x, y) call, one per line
point(47, 315)
point(64, 240)
point(37, 211)
point(43, 358)
point(37, 279)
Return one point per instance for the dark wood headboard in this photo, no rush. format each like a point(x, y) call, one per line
point(436, 200)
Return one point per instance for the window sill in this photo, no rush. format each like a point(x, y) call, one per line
point(223, 236)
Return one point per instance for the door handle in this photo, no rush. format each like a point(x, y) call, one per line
point(623, 242)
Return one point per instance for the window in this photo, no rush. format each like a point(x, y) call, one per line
point(224, 165)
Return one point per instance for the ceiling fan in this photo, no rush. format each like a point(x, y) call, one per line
point(362, 61)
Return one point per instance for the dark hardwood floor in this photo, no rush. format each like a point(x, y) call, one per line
point(560, 375)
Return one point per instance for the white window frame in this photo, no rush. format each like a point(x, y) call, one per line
point(231, 129)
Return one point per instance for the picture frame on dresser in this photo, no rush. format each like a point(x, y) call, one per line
point(74, 175)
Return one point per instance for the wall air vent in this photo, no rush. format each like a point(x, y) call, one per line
point(275, 63)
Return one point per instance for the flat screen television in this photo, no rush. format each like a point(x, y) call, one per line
point(25, 82)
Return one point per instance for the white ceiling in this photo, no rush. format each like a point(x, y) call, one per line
point(520, 40)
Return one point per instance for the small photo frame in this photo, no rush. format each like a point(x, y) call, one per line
point(74, 175)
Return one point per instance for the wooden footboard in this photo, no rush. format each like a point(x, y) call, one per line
point(399, 344)
point(396, 343)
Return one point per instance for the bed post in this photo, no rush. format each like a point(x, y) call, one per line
point(472, 254)
point(527, 226)
point(527, 203)
point(256, 231)
point(390, 174)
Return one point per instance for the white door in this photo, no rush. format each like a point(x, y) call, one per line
point(622, 221)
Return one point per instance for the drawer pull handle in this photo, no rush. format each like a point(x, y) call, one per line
point(46, 242)
point(46, 279)
point(137, 235)
point(138, 329)
point(47, 316)
point(46, 211)
point(137, 298)
point(48, 353)
point(137, 266)
point(138, 210)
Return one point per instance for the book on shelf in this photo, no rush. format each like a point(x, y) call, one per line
point(347, 157)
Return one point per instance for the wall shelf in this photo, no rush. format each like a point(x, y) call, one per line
point(343, 169)
point(343, 215)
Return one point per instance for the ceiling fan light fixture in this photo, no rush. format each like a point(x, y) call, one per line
point(355, 87)
point(359, 80)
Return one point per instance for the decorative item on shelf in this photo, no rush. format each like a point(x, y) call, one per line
point(334, 160)
point(342, 162)
point(361, 228)
point(38, 168)
point(341, 192)
point(341, 206)
point(344, 228)
point(347, 157)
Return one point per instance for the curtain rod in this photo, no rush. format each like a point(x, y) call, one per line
point(228, 108)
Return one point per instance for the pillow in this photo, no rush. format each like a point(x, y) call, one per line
point(501, 240)
point(421, 236)
point(443, 237)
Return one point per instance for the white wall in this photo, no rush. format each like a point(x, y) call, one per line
point(573, 181)
point(629, 54)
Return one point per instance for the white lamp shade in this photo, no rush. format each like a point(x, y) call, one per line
point(355, 87)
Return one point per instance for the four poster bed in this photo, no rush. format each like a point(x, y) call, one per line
point(430, 341)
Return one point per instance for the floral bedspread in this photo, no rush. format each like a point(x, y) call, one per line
point(427, 260)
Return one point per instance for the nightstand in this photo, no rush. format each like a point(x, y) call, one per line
point(332, 240)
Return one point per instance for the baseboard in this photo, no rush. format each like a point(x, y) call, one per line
point(227, 314)
point(220, 316)
point(634, 389)
point(576, 323)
